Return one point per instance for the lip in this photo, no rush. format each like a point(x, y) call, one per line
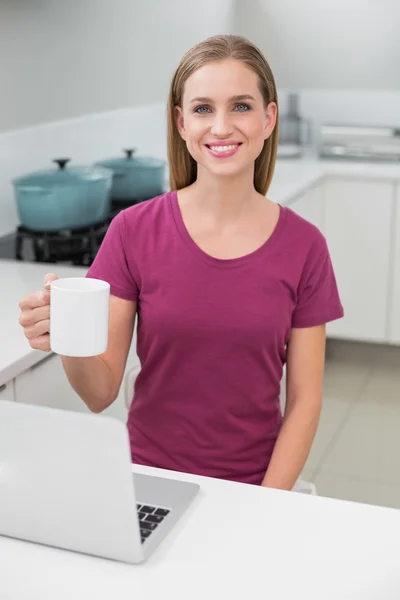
point(227, 153)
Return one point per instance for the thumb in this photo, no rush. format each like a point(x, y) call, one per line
point(48, 278)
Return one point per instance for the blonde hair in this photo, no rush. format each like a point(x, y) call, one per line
point(182, 167)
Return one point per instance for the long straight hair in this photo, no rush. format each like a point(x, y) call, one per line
point(182, 167)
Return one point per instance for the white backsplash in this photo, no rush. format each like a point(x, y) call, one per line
point(94, 137)
point(346, 107)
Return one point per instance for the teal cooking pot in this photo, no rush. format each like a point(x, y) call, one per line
point(136, 178)
point(63, 198)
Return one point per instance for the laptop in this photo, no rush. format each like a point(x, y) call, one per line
point(66, 481)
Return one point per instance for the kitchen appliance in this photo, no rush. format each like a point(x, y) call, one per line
point(135, 178)
point(294, 132)
point(359, 142)
point(77, 247)
point(63, 198)
point(65, 246)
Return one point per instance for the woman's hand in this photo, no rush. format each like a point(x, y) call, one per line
point(35, 316)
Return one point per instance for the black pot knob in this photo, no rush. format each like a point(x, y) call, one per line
point(61, 162)
point(129, 152)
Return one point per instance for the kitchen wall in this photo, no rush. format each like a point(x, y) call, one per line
point(62, 59)
point(355, 107)
point(86, 78)
point(329, 44)
point(340, 56)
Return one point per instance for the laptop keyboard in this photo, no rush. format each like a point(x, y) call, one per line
point(149, 519)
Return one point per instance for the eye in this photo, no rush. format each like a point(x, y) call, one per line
point(199, 110)
point(242, 107)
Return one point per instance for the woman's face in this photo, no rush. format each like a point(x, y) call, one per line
point(223, 118)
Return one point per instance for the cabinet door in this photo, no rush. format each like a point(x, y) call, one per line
point(394, 321)
point(310, 206)
point(7, 391)
point(46, 384)
point(358, 215)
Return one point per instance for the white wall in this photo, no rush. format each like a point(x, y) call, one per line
point(335, 44)
point(353, 107)
point(85, 78)
point(65, 58)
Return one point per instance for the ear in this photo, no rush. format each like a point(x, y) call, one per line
point(271, 115)
point(179, 121)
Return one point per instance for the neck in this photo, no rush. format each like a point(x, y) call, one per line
point(224, 198)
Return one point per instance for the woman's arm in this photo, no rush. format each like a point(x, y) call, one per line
point(305, 370)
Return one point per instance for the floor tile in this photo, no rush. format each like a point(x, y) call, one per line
point(368, 446)
point(308, 474)
point(357, 490)
point(345, 379)
point(383, 386)
point(334, 412)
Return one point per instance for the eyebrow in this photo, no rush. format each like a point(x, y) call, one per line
point(233, 99)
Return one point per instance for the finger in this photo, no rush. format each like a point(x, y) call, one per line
point(48, 278)
point(35, 300)
point(41, 343)
point(33, 316)
point(35, 331)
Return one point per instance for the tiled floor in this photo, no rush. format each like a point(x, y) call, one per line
point(356, 453)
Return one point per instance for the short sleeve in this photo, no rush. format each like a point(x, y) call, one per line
point(318, 300)
point(111, 264)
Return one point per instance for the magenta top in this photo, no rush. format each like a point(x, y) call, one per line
point(212, 335)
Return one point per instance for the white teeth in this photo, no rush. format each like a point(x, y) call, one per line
point(223, 148)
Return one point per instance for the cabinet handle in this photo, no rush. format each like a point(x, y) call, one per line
point(3, 387)
point(37, 365)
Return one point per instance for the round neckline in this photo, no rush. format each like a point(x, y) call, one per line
point(223, 262)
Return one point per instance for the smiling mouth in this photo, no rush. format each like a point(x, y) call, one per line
point(224, 148)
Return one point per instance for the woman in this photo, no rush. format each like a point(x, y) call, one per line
point(226, 284)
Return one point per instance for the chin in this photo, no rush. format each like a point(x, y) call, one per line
point(231, 170)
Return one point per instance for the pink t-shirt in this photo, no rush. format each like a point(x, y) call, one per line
point(212, 335)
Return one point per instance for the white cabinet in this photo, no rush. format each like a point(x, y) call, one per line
point(394, 319)
point(7, 391)
point(46, 384)
point(358, 228)
point(310, 206)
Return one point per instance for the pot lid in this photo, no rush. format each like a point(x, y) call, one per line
point(61, 175)
point(129, 161)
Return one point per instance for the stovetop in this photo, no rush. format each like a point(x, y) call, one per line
point(74, 247)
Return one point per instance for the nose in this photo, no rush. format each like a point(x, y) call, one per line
point(222, 126)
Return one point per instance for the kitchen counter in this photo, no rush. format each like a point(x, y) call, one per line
point(19, 279)
point(292, 177)
point(236, 541)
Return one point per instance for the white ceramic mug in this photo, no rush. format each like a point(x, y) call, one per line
point(79, 315)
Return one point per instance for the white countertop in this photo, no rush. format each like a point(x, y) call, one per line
point(291, 178)
point(235, 541)
point(17, 280)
